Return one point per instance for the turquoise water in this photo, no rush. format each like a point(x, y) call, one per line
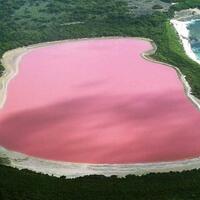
point(195, 37)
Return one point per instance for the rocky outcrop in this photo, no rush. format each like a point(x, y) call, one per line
point(186, 15)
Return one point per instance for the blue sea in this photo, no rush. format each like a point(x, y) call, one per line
point(194, 28)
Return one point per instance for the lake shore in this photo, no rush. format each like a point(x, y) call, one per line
point(75, 170)
point(11, 61)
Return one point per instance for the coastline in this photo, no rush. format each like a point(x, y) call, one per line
point(180, 22)
point(184, 33)
point(10, 61)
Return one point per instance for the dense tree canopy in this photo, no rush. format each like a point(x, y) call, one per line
point(26, 185)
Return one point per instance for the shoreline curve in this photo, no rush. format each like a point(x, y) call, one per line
point(10, 61)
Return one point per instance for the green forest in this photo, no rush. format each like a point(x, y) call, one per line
point(28, 22)
point(26, 185)
point(25, 22)
point(32, 21)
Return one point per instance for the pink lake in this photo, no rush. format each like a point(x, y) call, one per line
point(98, 101)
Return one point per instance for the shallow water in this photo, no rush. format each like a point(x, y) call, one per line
point(195, 36)
point(98, 101)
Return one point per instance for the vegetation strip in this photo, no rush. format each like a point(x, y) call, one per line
point(23, 184)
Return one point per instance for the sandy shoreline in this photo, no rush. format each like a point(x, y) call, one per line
point(74, 170)
point(183, 32)
point(10, 61)
point(180, 22)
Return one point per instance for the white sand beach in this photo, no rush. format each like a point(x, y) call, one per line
point(183, 32)
point(180, 22)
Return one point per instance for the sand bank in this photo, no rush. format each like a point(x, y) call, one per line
point(11, 61)
point(74, 170)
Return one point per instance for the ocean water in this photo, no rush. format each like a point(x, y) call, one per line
point(194, 28)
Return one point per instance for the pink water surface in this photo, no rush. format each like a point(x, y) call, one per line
point(98, 101)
